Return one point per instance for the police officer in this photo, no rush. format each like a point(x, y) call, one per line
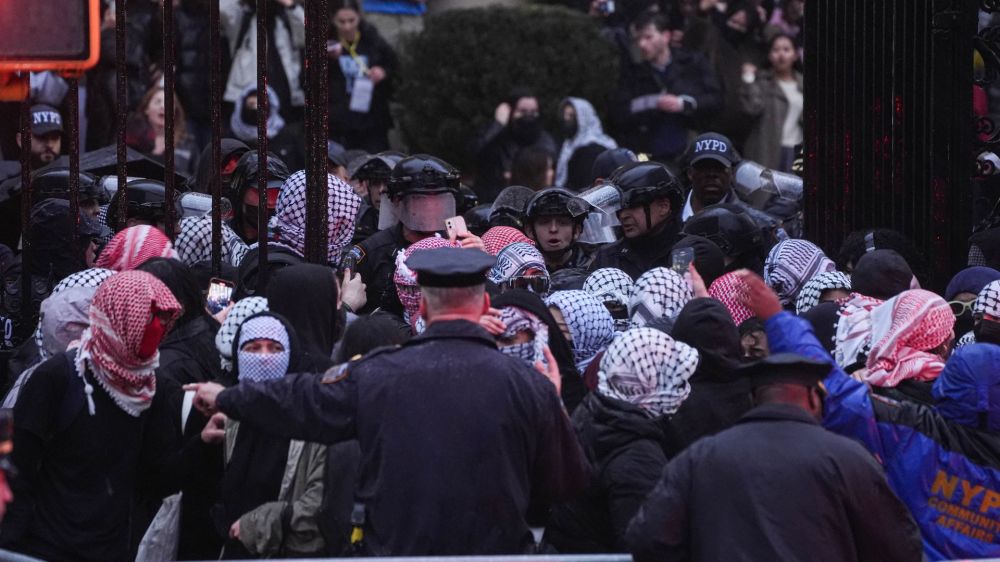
point(711, 158)
point(243, 194)
point(147, 204)
point(734, 231)
point(650, 218)
point(776, 486)
point(549, 222)
point(372, 177)
point(421, 194)
point(457, 439)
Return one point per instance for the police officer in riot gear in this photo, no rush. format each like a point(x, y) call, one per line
point(734, 231)
point(649, 214)
point(147, 204)
point(549, 222)
point(372, 176)
point(243, 193)
point(53, 183)
point(421, 194)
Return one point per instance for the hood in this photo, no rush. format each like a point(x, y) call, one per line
point(306, 295)
point(705, 324)
point(605, 425)
point(588, 131)
point(243, 122)
point(967, 391)
point(63, 318)
point(295, 353)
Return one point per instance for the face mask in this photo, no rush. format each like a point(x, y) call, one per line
point(249, 116)
point(569, 128)
point(523, 351)
point(963, 322)
point(525, 130)
point(256, 367)
point(151, 338)
point(988, 331)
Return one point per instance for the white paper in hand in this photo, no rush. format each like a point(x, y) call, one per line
point(361, 95)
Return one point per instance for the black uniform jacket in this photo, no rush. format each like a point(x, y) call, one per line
point(456, 439)
point(776, 486)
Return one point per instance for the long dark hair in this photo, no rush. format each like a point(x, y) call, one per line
point(797, 65)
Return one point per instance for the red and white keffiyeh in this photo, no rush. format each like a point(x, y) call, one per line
point(854, 330)
point(499, 237)
point(904, 329)
point(731, 291)
point(133, 246)
point(123, 309)
point(405, 278)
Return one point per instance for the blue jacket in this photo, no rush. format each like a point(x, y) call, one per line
point(947, 474)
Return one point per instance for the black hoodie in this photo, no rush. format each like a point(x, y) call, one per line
point(306, 294)
point(624, 448)
point(719, 395)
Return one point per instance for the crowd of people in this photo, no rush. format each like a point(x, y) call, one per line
point(604, 344)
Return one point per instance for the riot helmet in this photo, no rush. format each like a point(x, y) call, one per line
point(243, 191)
point(509, 206)
point(733, 231)
point(422, 193)
point(147, 204)
point(53, 183)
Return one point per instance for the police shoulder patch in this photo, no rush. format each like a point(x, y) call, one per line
point(335, 374)
point(357, 253)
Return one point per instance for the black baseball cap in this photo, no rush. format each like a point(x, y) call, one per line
point(45, 119)
point(713, 146)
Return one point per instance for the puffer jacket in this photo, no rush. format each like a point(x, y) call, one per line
point(623, 446)
point(947, 473)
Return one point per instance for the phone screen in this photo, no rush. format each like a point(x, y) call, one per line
point(220, 293)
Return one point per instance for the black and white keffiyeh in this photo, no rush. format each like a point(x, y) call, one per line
point(648, 368)
point(515, 260)
point(288, 225)
point(658, 293)
point(988, 300)
point(257, 367)
point(519, 320)
point(790, 264)
point(590, 324)
point(242, 310)
point(966, 339)
point(194, 242)
point(612, 287)
point(91, 278)
point(813, 289)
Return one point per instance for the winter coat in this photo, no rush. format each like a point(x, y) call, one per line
point(288, 526)
point(289, 40)
point(188, 353)
point(947, 474)
point(193, 48)
point(623, 446)
point(373, 50)
point(764, 100)
point(719, 394)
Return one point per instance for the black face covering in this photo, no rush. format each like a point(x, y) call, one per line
point(248, 115)
point(988, 331)
point(525, 130)
point(570, 128)
point(964, 322)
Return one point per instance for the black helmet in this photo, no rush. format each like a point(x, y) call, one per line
point(508, 208)
point(53, 183)
point(477, 219)
point(146, 202)
point(245, 174)
point(466, 200)
point(422, 173)
point(641, 183)
point(553, 201)
point(734, 232)
point(376, 167)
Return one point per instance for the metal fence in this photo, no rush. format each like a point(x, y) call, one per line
point(888, 123)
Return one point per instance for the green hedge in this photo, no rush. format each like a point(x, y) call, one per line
point(466, 61)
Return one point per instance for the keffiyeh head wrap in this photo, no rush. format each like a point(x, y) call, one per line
point(854, 330)
point(904, 328)
point(648, 368)
point(123, 309)
point(194, 242)
point(499, 237)
point(611, 285)
point(590, 324)
point(658, 293)
point(988, 300)
point(519, 320)
point(515, 260)
point(91, 278)
point(588, 131)
point(790, 264)
point(134, 246)
point(813, 290)
point(242, 310)
point(730, 290)
point(288, 225)
point(256, 367)
point(405, 278)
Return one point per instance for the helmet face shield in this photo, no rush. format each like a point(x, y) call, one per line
point(600, 204)
point(426, 212)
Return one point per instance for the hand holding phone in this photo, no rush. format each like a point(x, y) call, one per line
point(220, 293)
point(455, 226)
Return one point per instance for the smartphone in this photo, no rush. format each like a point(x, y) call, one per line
point(220, 294)
point(456, 227)
point(681, 259)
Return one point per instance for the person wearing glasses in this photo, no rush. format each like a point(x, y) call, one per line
point(520, 266)
point(961, 294)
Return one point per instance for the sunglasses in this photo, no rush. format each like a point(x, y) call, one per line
point(538, 284)
point(958, 308)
